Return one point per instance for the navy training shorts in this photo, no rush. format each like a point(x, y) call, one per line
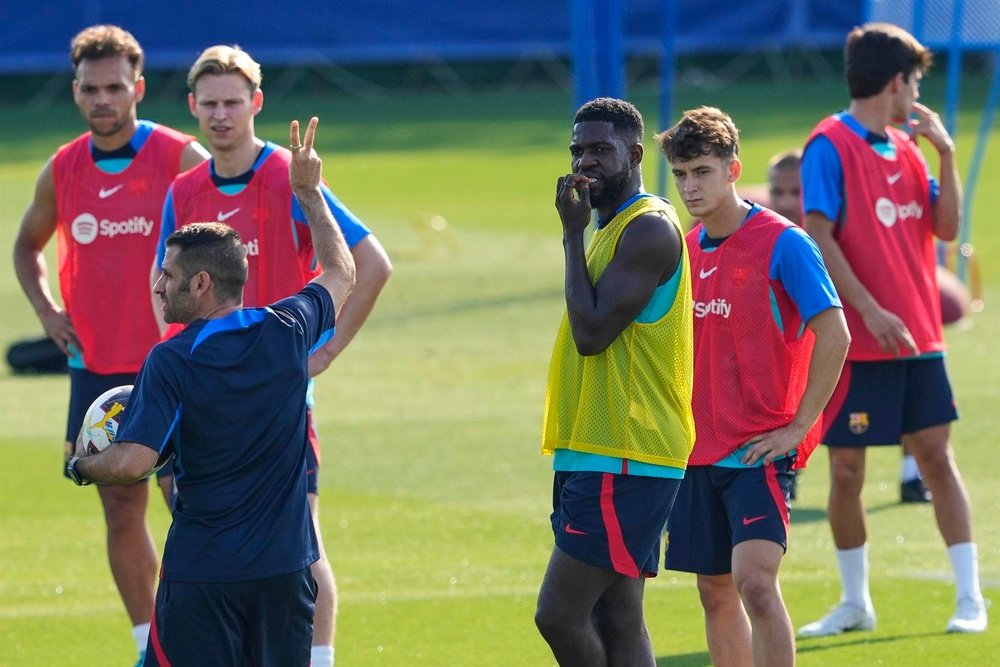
point(231, 624)
point(718, 507)
point(878, 402)
point(612, 521)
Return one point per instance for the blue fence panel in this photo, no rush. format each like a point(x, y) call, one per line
point(35, 36)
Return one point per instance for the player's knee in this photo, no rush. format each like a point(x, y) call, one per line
point(717, 594)
point(548, 620)
point(760, 595)
point(847, 473)
point(552, 618)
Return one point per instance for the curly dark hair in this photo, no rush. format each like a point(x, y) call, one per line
point(106, 41)
point(623, 115)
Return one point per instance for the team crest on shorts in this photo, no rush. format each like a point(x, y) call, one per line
point(857, 422)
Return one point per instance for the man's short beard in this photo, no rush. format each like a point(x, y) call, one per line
point(612, 189)
point(108, 133)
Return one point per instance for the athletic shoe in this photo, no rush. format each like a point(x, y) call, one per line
point(914, 491)
point(969, 617)
point(842, 618)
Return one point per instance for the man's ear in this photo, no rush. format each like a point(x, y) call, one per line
point(201, 283)
point(635, 153)
point(735, 169)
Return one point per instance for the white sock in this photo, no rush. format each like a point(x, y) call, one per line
point(965, 562)
point(908, 470)
point(853, 564)
point(321, 656)
point(140, 633)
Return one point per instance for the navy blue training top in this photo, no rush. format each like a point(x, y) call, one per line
point(229, 395)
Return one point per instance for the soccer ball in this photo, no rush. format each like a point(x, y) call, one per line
point(100, 424)
point(104, 416)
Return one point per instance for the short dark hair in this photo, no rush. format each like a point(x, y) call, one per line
point(217, 249)
point(790, 159)
point(106, 41)
point(701, 131)
point(876, 52)
point(623, 115)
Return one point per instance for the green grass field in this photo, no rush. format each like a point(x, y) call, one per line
point(435, 500)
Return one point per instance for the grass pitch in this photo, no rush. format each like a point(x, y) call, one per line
point(434, 499)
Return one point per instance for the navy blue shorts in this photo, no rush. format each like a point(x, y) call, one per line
point(312, 458)
point(84, 388)
point(259, 622)
point(612, 521)
point(717, 508)
point(878, 402)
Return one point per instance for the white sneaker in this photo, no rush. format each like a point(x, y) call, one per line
point(842, 618)
point(970, 616)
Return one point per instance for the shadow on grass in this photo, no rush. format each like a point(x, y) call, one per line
point(699, 659)
point(824, 644)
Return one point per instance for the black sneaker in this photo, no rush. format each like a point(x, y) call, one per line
point(914, 491)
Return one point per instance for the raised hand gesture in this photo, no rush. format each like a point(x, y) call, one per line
point(306, 170)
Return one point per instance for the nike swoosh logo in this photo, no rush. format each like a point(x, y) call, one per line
point(222, 217)
point(104, 194)
point(573, 531)
point(748, 520)
point(706, 274)
point(895, 177)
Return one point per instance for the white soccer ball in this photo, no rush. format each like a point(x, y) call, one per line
point(100, 424)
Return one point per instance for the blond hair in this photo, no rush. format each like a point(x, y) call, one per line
point(223, 59)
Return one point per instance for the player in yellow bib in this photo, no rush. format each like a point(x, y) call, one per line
point(618, 406)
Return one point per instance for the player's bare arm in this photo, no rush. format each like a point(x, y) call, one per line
point(948, 206)
point(829, 352)
point(305, 175)
point(37, 227)
point(121, 463)
point(647, 255)
point(892, 334)
point(373, 271)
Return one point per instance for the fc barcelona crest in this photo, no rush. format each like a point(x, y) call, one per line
point(858, 422)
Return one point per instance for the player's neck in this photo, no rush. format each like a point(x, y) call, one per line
point(727, 218)
point(236, 160)
point(113, 142)
point(872, 113)
point(214, 310)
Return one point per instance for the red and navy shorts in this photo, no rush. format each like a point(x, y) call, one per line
point(612, 521)
point(718, 507)
point(84, 388)
point(878, 402)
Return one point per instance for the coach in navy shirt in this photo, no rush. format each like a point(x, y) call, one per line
point(227, 396)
